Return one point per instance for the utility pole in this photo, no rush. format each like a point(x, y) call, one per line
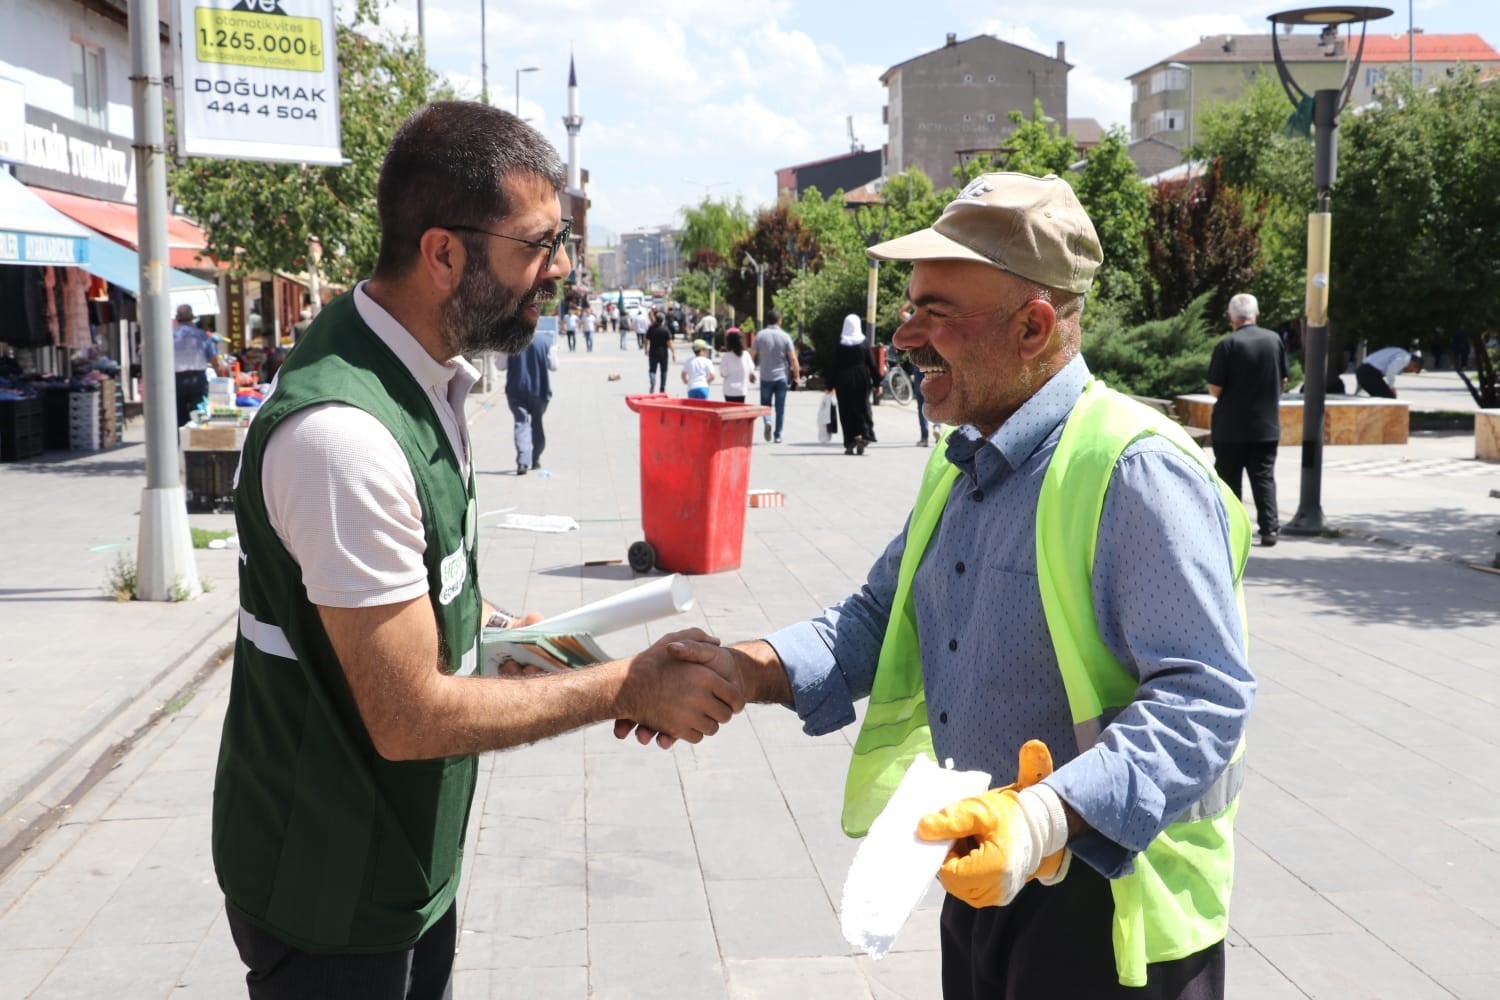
point(165, 568)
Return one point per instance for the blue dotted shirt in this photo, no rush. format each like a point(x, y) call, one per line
point(1163, 592)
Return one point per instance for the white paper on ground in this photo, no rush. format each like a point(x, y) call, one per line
point(894, 866)
point(538, 522)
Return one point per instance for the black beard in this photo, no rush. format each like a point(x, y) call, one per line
point(484, 315)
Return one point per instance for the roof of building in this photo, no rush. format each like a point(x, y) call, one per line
point(1429, 48)
point(886, 76)
point(1306, 48)
point(830, 159)
point(1085, 131)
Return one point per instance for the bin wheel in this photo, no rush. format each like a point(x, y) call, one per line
point(642, 557)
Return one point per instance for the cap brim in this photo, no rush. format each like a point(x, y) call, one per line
point(926, 244)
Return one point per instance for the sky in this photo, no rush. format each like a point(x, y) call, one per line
point(686, 99)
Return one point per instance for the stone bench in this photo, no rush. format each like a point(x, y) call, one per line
point(1345, 420)
point(1487, 435)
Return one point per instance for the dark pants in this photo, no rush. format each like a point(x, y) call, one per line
point(921, 401)
point(653, 365)
point(279, 971)
point(1371, 381)
point(1258, 458)
point(192, 387)
point(1054, 941)
point(531, 435)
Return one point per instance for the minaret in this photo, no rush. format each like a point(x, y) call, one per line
point(574, 121)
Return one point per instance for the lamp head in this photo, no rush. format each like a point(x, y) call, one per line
point(1329, 16)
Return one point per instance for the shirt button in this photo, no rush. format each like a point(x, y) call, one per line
point(952, 645)
point(943, 718)
point(977, 495)
point(959, 568)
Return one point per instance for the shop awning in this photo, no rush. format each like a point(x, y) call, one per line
point(185, 240)
point(32, 232)
point(121, 266)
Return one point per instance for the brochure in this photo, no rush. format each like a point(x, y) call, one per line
point(566, 641)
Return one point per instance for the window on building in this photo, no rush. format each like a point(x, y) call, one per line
point(1165, 80)
point(88, 84)
point(968, 78)
point(1374, 77)
point(1167, 121)
point(992, 119)
point(992, 78)
point(968, 118)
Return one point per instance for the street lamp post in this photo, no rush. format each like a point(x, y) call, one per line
point(519, 71)
point(871, 237)
point(760, 290)
point(1190, 108)
point(1327, 103)
point(484, 66)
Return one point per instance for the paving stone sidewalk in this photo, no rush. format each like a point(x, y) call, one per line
point(1368, 851)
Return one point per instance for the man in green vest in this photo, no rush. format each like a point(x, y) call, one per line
point(347, 764)
point(1068, 580)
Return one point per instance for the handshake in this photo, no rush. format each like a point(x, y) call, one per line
point(684, 687)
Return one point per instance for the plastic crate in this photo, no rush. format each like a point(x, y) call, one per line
point(20, 429)
point(210, 480)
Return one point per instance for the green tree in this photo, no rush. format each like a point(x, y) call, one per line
point(1202, 237)
point(714, 226)
point(1119, 203)
point(1417, 247)
point(1038, 146)
point(260, 216)
point(774, 242)
point(1162, 358)
point(1249, 140)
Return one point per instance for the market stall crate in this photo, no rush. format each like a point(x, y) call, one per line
point(20, 428)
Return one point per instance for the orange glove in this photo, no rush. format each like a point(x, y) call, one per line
point(1005, 837)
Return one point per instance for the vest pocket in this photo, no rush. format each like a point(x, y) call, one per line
point(421, 840)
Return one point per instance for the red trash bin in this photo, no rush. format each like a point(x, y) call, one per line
point(695, 469)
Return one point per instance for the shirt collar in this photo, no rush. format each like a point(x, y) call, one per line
point(1029, 426)
point(426, 369)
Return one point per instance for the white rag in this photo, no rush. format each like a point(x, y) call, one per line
point(894, 867)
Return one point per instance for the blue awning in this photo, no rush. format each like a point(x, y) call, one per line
point(121, 266)
point(33, 232)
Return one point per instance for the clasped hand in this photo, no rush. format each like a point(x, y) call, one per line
point(684, 687)
point(1005, 837)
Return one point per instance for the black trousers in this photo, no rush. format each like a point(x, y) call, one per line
point(1054, 942)
point(1371, 381)
point(1234, 458)
point(279, 971)
point(191, 387)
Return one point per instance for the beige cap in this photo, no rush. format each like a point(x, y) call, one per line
point(1033, 227)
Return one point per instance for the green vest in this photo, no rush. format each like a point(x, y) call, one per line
point(1176, 901)
point(316, 837)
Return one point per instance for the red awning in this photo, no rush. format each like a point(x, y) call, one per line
point(185, 241)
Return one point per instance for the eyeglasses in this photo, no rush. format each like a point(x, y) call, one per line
point(548, 245)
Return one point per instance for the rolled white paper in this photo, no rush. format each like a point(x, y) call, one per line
point(894, 867)
point(670, 595)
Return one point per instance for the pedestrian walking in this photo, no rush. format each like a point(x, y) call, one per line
point(777, 359)
point(570, 326)
point(851, 377)
point(640, 324)
point(698, 371)
point(347, 763)
point(528, 390)
point(590, 323)
point(1247, 374)
point(736, 368)
point(658, 347)
point(193, 354)
point(1065, 591)
point(1376, 375)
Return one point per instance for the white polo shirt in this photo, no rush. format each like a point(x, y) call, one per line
point(338, 490)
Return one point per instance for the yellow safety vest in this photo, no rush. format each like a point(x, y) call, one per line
point(1176, 901)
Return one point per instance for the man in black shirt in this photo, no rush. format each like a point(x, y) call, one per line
point(1247, 373)
point(658, 345)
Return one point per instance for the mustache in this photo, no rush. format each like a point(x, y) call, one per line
point(544, 291)
point(926, 357)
